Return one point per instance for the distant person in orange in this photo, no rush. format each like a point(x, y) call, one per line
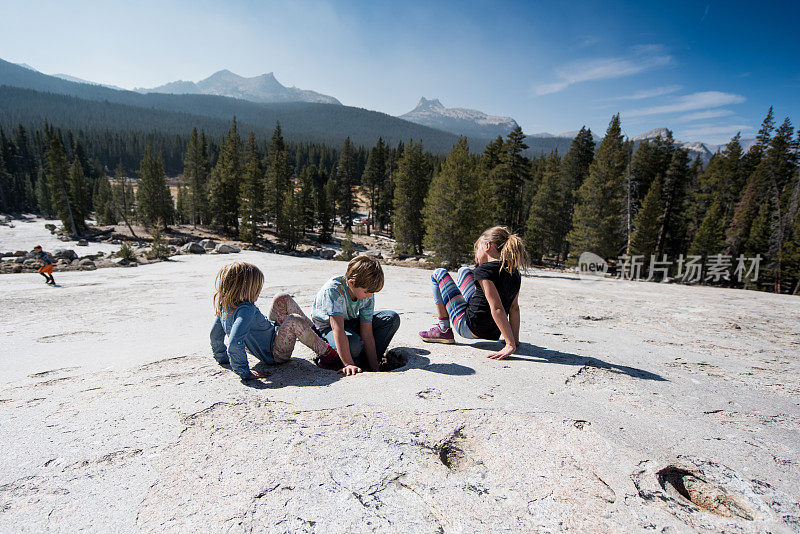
point(46, 268)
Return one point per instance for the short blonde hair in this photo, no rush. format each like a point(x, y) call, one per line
point(237, 282)
point(366, 273)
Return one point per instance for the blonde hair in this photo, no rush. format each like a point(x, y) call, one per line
point(513, 256)
point(366, 273)
point(237, 282)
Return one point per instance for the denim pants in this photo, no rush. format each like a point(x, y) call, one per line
point(384, 325)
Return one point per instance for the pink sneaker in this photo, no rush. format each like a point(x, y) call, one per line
point(435, 335)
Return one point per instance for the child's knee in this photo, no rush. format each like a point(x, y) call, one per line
point(465, 270)
point(281, 299)
point(439, 273)
point(295, 322)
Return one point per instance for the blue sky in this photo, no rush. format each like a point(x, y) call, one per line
point(703, 69)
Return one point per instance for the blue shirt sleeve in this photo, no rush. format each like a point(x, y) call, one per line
point(218, 341)
point(367, 311)
point(236, 353)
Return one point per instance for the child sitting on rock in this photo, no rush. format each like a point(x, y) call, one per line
point(272, 340)
point(488, 308)
point(46, 267)
point(344, 312)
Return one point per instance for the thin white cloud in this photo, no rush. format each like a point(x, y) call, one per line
point(715, 129)
point(643, 58)
point(704, 115)
point(691, 102)
point(647, 93)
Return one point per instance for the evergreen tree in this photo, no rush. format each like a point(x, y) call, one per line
point(574, 169)
point(183, 205)
point(104, 202)
point(252, 199)
point(673, 198)
point(508, 179)
point(710, 236)
point(374, 178)
point(598, 222)
point(648, 222)
point(43, 195)
point(58, 177)
point(411, 186)
point(291, 232)
point(309, 177)
point(346, 182)
point(544, 233)
point(385, 202)
point(195, 176)
point(454, 209)
point(79, 195)
point(325, 212)
point(123, 198)
point(153, 198)
point(223, 190)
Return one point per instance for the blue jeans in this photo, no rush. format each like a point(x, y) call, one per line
point(384, 325)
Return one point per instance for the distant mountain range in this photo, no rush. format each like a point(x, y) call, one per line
point(264, 88)
point(460, 121)
point(259, 102)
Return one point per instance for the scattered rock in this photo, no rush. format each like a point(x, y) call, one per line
point(21, 253)
point(327, 253)
point(65, 253)
point(83, 243)
point(64, 238)
point(51, 227)
point(193, 248)
point(375, 253)
point(87, 264)
point(223, 248)
point(208, 244)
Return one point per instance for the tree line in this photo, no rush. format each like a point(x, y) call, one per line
point(652, 203)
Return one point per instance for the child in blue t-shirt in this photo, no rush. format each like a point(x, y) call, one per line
point(344, 313)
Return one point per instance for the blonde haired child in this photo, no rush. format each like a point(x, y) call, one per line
point(488, 308)
point(237, 287)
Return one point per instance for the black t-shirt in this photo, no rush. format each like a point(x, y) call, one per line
point(479, 314)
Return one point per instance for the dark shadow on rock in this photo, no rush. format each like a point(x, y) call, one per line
point(295, 372)
point(536, 354)
point(453, 369)
point(404, 358)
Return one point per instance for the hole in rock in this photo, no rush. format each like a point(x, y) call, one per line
point(393, 359)
point(702, 493)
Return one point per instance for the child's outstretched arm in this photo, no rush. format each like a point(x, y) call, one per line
point(217, 336)
point(343, 345)
point(514, 318)
point(368, 338)
point(500, 319)
point(236, 353)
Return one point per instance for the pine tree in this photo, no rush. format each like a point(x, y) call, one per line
point(309, 177)
point(574, 170)
point(123, 198)
point(598, 222)
point(79, 194)
point(43, 195)
point(346, 182)
point(183, 205)
point(58, 176)
point(291, 232)
point(710, 236)
point(195, 176)
point(374, 177)
point(104, 202)
point(279, 175)
point(153, 198)
point(454, 209)
point(223, 190)
point(544, 232)
point(411, 187)
point(385, 202)
point(325, 212)
point(508, 179)
point(673, 198)
point(252, 198)
point(648, 222)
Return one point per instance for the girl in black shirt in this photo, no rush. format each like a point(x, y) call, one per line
point(483, 303)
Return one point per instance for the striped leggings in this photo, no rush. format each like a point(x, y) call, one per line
point(454, 297)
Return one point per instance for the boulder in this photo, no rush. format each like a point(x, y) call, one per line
point(28, 261)
point(64, 238)
point(193, 248)
point(65, 253)
point(327, 253)
point(83, 243)
point(51, 227)
point(115, 242)
point(223, 248)
point(21, 253)
point(375, 253)
point(208, 244)
point(19, 259)
point(16, 269)
point(87, 262)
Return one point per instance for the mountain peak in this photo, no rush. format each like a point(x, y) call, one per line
point(461, 121)
point(652, 134)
